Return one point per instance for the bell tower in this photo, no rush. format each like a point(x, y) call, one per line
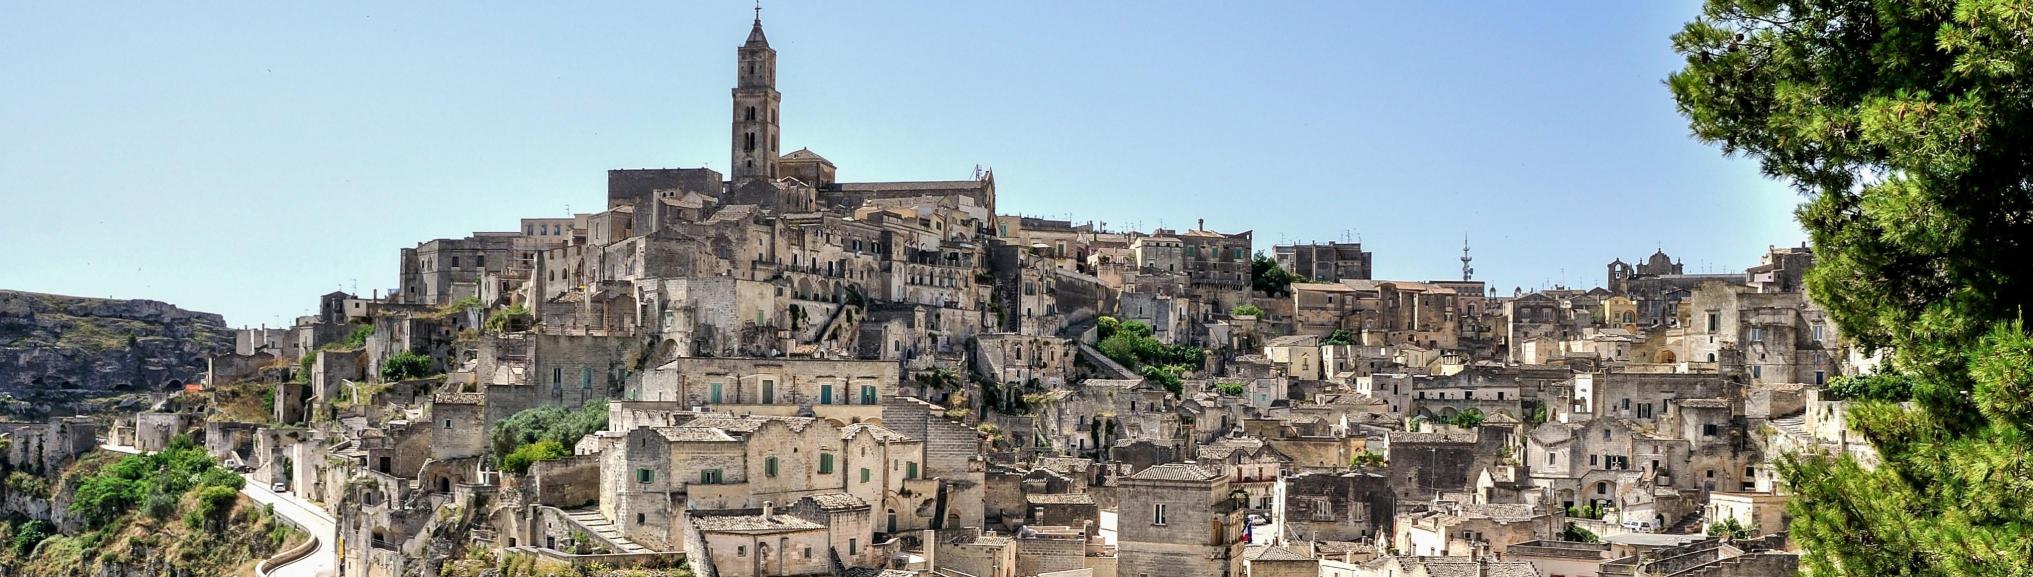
point(755, 109)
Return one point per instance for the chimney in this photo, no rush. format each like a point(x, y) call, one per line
point(768, 507)
point(1202, 225)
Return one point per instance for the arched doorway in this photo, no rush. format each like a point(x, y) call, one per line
point(892, 521)
point(1666, 357)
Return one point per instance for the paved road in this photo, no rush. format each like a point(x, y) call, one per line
point(322, 562)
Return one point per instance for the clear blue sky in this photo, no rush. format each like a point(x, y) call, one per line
point(243, 159)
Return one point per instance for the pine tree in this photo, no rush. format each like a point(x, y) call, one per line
point(1908, 126)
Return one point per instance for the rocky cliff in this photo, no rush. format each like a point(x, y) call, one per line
point(58, 351)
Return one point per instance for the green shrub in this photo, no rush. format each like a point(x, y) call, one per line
point(558, 424)
point(1247, 311)
point(1231, 389)
point(1578, 534)
point(358, 338)
point(515, 318)
point(519, 460)
point(153, 482)
point(28, 536)
point(405, 365)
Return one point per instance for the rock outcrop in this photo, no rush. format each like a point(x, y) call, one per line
point(63, 350)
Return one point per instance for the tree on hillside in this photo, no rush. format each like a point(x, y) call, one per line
point(1265, 276)
point(1906, 126)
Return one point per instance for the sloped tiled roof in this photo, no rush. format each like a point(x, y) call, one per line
point(1275, 554)
point(1177, 472)
point(1440, 437)
point(837, 501)
point(1059, 499)
point(692, 434)
point(880, 432)
point(752, 524)
point(458, 398)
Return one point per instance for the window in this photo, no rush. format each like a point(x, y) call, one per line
point(768, 392)
point(557, 375)
point(1757, 334)
point(714, 395)
point(1551, 457)
point(741, 551)
point(639, 518)
point(1714, 321)
point(1601, 488)
point(1592, 460)
point(1158, 514)
point(868, 394)
point(864, 474)
point(585, 378)
point(1708, 430)
point(1820, 377)
point(644, 476)
point(769, 466)
point(1757, 371)
point(825, 463)
point(709, 477)
point(911, 470)
point(448, 424)
point(455, 262)
point(1817, 333)
point(825, 394)
point(850, 546)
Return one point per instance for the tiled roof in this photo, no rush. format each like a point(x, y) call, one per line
point(1177, 472)
point(752, 524)
point(1502, 513)
point(837, 501)
point(1059, 499)
point(1443, 437)
point(1066, 464)
point(458, 398)
point(1275, 554)
point(803, 154)
point(880, 432)
point(748, 424)
point(692, 434)
point(1469, 567)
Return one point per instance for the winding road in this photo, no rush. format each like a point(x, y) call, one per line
point(322, 562)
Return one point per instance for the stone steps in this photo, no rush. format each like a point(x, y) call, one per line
point(599, 526)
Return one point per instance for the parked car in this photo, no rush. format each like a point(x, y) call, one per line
point(1638, 526)
point(1255, 519)
point(279, 487)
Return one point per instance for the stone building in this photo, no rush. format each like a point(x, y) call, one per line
point(846, 391)
point(1332, 261)
point(1179, 519)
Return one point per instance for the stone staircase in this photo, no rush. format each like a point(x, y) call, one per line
point(1686, 525)
point(593, 523)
